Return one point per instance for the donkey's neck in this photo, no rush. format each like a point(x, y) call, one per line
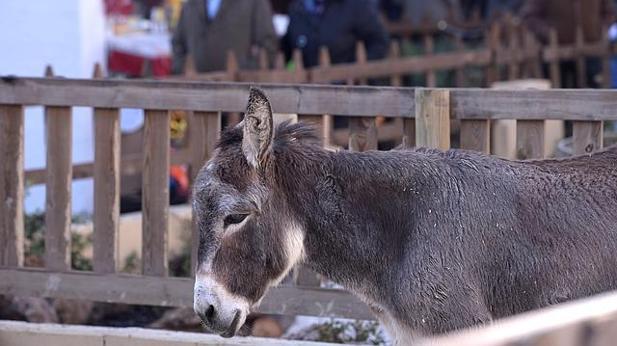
point(354, 208)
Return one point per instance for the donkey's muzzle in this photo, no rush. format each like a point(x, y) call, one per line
point(221, 312)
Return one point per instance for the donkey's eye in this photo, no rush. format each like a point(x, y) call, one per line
point(234, 219)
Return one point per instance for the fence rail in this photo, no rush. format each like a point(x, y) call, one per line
point(425, 114)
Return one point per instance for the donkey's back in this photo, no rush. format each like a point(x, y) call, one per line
point(536, 233)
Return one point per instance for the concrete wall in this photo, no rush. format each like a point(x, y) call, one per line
point(28, 334)
point(69, 35)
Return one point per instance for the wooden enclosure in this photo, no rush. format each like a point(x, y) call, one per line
point(424, 113)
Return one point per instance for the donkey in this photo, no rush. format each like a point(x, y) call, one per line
point(432, 241)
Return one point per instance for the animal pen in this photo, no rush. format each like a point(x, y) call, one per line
point(425, 114)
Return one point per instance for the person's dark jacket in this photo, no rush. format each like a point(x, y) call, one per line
point(241, 26)
point(342, 24)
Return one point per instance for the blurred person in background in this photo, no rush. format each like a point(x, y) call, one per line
point(337, 25)
point(565, 16)
point(208, 29)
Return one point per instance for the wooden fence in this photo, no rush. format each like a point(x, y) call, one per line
point(508, 52)
point(425, 114)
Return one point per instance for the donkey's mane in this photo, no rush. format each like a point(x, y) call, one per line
point(285, 134)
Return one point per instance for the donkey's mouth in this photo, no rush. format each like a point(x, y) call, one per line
point(233, 328)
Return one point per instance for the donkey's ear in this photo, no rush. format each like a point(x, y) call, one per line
point(258, 129)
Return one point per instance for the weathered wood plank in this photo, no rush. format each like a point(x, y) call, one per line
point(11, 185)
point(407, 65)
point(191, 96)
point(310, 99)
point(433, 118)
point(562, 104)
point(106, 189)
point(530, 139)
point(409, 133)
point(155, 193)
point(579, 319)
point(587, 136)
point(147, 290)
point(476, 135)
point(204, 134)
point(205, 131)
point(58, 129)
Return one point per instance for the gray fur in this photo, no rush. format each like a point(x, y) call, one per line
point(434, 240)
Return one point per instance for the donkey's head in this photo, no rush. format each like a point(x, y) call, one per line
point(248, 240)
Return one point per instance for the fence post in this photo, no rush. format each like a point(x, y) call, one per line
point(58, 133)
point(433, 118)
point(106, 186)
point(11, 185)
point(476, 135)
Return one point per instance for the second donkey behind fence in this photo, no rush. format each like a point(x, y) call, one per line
point(432, 241)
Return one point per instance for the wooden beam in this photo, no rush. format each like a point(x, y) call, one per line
point(11, 185)
point(564, 104)
point(433, 118)
point(155, 193)
point(192, 96)
point(178, 292)
point(594, 104)
point(58, 121)
point(106, 189)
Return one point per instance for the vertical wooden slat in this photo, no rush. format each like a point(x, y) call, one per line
point(587, 136)
point(106, 187)
point(460, 70)
point(492, 42)
point(554, 63)
point(394, 55)
point(581, 66)
point(205, 131)
point(233, 68)
point(530, 139)
point(361, 59)
point(607, 76)
point(432, 118)
point(155, 193)
point(475, 135)
point(409, 133)
point(324, 61)
point(429, 49)
point(533, 55)
point(11, 185)
point(58, 191)
point(514, 50)
point(362, 134)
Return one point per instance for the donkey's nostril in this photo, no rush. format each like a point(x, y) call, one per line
point(209, 313)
